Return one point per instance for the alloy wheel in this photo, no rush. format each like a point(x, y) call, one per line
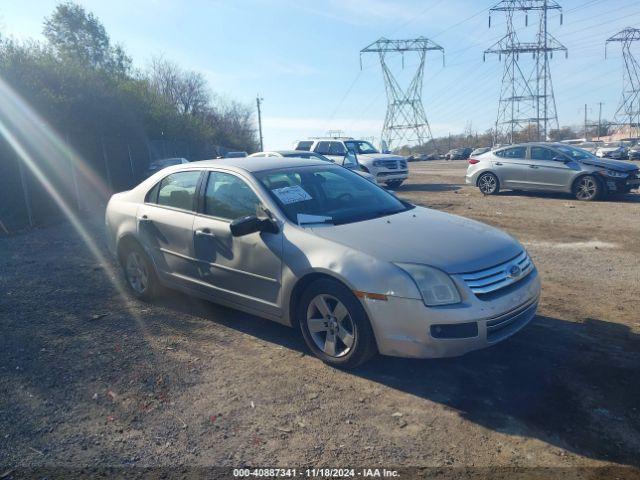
point(137, 274)
point(586, 188)
point(330, 325)
point(487, 184)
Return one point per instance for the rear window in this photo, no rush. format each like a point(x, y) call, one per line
point(514, 152)
point(177, 190)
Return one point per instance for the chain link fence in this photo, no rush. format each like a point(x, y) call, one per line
point(102, 165)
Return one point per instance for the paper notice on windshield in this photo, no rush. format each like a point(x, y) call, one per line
point(289, 195)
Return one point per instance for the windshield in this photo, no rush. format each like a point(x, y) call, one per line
point(574, 153)
point(328, 194)
point(360, 146)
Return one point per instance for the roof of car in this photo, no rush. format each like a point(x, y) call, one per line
point(256, 164)
point(534, 144)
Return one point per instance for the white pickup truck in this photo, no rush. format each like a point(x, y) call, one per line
point(387, 169)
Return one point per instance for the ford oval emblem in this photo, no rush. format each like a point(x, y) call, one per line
point(514, 271)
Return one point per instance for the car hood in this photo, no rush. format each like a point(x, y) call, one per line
point(380, 156)
point(611, 164)
point(421, 235)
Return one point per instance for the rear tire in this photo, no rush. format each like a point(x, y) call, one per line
point(488, 184)
point(588, 188)
point(139, 273)
point(335, 325)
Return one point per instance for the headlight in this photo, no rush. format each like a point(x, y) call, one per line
point(378, 163)
point(614, 174)
point(436, 287)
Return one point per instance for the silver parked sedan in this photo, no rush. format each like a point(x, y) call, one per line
point(553, 167)
point(316, 246)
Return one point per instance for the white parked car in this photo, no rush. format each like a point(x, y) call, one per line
point(388, 169)
point(349, 161)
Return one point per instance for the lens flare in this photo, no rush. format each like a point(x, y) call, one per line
point(31, 137)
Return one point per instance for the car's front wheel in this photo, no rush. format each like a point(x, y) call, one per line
point(139, 273)
point(394, 184)
point(587, 188)
point(334, 324)
point(488, 184)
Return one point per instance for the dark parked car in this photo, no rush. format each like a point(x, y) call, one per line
point(459, 154)
point(158, 165)
point(634, 152)
point(421, 157)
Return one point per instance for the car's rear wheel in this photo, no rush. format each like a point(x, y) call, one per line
point(488, 184)
point(139, 273)
point(587, 188)
point(394, 184)
point(334, 324)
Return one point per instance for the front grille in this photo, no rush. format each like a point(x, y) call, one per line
point(390, 164)
point(486, 281)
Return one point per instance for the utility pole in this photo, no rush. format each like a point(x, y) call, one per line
point(585, 122)
point(259, 100)
point(526, 97)
point(406, 120)
point(599, 119)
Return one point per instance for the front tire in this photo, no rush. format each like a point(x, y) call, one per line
point(587, 188)
point(488, 184)
point(139, 273)
point(394, 184)
point(334, 325)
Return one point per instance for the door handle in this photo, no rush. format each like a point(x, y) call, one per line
point(532, 166)
point(205, 233)
point(498, 163)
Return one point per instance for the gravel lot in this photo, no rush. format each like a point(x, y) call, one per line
point(90, 377)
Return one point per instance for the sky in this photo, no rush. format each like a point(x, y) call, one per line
point(302, 56)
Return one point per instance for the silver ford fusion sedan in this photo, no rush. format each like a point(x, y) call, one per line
point(317, 247)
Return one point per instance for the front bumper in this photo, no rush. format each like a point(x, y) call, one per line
point(407, 328)
point(622, 185)
point(383, 176)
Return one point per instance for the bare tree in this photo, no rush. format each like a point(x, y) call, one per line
point(187, 90)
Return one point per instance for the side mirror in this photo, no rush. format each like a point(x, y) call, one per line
point(250, 224)
point(560, 159)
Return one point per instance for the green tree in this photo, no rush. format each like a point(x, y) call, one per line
point(76, 34)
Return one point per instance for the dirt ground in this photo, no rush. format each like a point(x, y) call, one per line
point(89, 377)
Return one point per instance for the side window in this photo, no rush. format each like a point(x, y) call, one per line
point(306, 145)
point(337, 148)
point(514, 152)
point(541, 153)
point(178, 190)
point(227, 196)
point(322, 148)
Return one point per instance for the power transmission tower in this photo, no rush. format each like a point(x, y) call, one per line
point(526, 97)
point(406, 121)
point(628, 112)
